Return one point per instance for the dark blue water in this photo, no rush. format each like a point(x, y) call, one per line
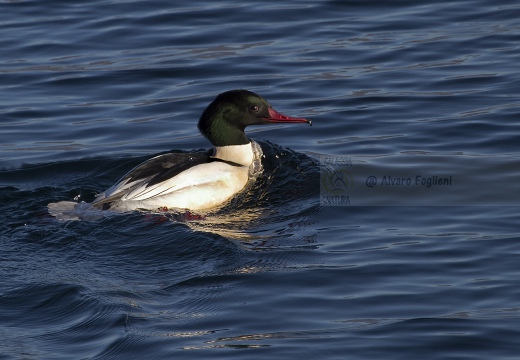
point(404, 89)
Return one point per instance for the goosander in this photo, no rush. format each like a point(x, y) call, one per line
point(194, 181)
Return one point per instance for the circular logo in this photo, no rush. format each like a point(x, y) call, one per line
point(337, 181)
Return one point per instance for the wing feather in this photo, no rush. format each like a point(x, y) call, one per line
point(150, 177)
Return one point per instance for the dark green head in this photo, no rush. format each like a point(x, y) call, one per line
point(224, 120)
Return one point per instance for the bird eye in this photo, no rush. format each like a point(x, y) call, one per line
point(255, 108)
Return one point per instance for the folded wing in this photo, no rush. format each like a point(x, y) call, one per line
point(151, 178)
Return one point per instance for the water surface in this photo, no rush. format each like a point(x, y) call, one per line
point(90, 90)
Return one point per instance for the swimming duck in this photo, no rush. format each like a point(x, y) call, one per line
point(196, 181)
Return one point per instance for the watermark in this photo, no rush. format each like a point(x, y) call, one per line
point(336, 181)
point(419, 180)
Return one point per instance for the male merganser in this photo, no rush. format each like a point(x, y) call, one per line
point(196, 181)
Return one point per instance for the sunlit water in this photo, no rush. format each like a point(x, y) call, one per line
point(400, 89)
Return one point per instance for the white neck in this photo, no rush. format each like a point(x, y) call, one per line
point(240, 154)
